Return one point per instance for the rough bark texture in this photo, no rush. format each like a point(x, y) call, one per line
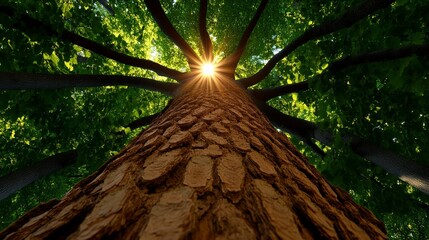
point(210, 167)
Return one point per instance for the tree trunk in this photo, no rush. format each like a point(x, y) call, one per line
point(211, 166)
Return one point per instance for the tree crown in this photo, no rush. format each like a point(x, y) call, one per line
point(358, 68)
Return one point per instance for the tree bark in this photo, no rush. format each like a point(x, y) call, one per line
point(210, 166)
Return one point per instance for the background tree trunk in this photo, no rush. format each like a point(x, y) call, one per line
point(211, 166)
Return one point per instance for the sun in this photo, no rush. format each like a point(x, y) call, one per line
point(208, 69)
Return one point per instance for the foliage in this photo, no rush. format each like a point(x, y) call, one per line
point(385, 102)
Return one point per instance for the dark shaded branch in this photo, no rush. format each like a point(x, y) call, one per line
point(378, 56)
point(409, 171)
point(204, 35)
point(26, 23)
point(268, 93)
point(147, 119)
point(422, 205)
point(106, 5)
point(315, 148)
point(346, 20)
point(299, 127)
point(155, 8)
point(10, 81)
point(122, 58)
point(22, 177)
point(142, 121)
point(234, 58)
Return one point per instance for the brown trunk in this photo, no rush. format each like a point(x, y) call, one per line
point(211, 166)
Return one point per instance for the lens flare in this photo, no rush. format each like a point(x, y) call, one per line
point(208, 69)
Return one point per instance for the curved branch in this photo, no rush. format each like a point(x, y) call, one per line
point(204, 35)
point(268, 93)
point(155, 8)
point(27, 23)
point(378, 56)
point(346, 20)
point(407, 170)
point(10, 81)
point(234, 58)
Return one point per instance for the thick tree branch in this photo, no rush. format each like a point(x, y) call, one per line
point(316, 149)
point(378, 56)
point(10, 81)
point(346, 20)
point(232, 60)
point(295, 126)
point(268, 93)
point(142, 121)
point(409, 171)
point(122, 58)
point(29, 24)
point(155, 8)
point(147, 119)
point(22, 177)
point(204, 35)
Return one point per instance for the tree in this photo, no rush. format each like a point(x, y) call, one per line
point(211, 154)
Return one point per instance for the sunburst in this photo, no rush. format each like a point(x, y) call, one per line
point(208, 69)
